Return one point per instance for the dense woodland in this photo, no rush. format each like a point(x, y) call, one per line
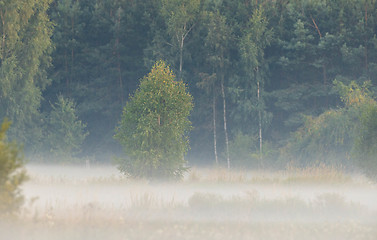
point(261, 74)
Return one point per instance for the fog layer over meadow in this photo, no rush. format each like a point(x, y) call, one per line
point(99, 203)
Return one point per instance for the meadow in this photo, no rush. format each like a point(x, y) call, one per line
point(65, 202)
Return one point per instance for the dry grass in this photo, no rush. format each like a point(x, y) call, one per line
point(159, 230)
point(207, 204)
point(315, 174)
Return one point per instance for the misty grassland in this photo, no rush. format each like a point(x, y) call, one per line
point(63, 202)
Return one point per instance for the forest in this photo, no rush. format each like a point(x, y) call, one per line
point(274, 82)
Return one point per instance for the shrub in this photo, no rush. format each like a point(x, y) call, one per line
point(241, 150)
point(330, 137)
point(11, 173)
point(365, 148)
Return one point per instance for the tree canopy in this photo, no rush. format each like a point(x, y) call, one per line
point(154, 126)
point(267, 67)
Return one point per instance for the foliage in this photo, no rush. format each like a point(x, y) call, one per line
point(25, 48)
point(99, 50)
point(329, 138)
point(365, 148)
point(248, 91)
point(154, 126)
point(180, 18)
point(65, 132)
point(11, 173)
point(241, 149)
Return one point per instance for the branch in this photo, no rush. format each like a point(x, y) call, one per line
point(316, 27)
point(188, 31)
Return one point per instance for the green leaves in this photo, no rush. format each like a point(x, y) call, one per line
point(65, 132)
point(154, 126)
point(337, 135)
point(11, 173)
point(25, 33)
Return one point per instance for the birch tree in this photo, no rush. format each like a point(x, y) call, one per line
point(217, 44)
point(181, 17)
point(252, 45)
point(154, 126)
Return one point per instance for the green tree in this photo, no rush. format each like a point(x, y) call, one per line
point(68, 16)
point(12, 174)
point(257, 37)
point(65, 132)
point(98, 60)
point(217, 46)
point(154, 126)
point(25, 45)
point(181, 16)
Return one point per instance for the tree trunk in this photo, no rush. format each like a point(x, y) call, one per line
point(324, 68)
point(225, 123)
point(260, 126)
point(181, 57)
point(214, 128)
point(366, 37)
point(121, 96)
point(3, 37)
point(66, 71)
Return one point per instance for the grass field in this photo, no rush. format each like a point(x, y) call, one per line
point(99, 203)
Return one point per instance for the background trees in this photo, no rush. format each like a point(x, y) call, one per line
point(64, 132)
point(25, 50)
point(154, 126)
point(102, 47)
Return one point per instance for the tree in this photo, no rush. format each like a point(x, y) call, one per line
point(154, 126)
point(208, 83)
point(217, 44)
point(68, 42)
point(25, 46)
point(65, 133)
point(252, 45)
point(181, 17)
point(11, 173)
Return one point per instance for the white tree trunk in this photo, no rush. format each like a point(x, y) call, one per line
point(214, 129)
point(260, 126)
point(225, 123)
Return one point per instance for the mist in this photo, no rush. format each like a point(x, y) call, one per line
point(98, 202)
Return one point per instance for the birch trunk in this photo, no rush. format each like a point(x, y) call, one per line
point(121, 96)
point(214, 129)
point(260, 126)
point(225, 123)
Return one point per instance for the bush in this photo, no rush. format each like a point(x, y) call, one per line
point(365, 148)
point(241, 150)
point(154, 126)
point(330, 137)
point(11, 174)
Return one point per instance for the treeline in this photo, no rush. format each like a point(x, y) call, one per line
point(256, 69)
